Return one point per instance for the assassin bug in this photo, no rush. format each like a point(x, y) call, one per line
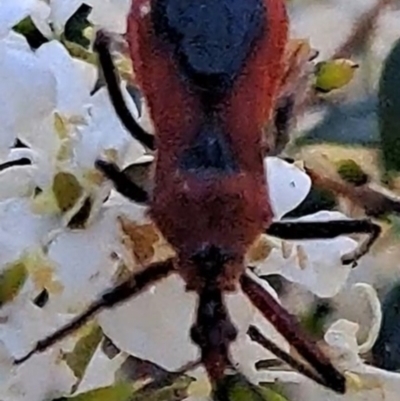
point(210, 71)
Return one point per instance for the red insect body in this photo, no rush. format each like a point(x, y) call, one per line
point(211, 71)
point(229, 211)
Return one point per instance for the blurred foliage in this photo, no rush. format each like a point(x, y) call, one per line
point(75, 26)
point(174, 390)
point(386, 350)
point(389, 110)
point(352, 173)
point(313, 321)
point(128, 391)
point(11, 281)
point(316, 200)
point(354, 123)
point(237, 388)
point(27, 28)
point(117, 392)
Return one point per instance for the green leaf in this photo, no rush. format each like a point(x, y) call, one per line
point(271, 394)
point(11, 281)
point(389, 111)
point(67, 190)
point(237, 388)
point(118, 392)
point(79, 358)
point(173, 391)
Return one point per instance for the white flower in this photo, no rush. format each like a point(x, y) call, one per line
point(110, 14)
point(311, 262)
point(27, 91)
point(73, 86)
point(100, 371)
point(22, 324)
point(288, 185)
point(12, 12)
point(20, 229)
point(156, 325)
point(364, 382)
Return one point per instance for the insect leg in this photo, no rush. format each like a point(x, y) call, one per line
point(213, 331)
point(24, 161)
point(101, 46)
point(256, 336)
point(289, 328)
point(132, 286)
point(305, 230)
point(122, 182)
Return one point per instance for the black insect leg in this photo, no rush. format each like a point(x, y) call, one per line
point(101, 46)
point(122, 182)
point(132, 286)
point(24, 161)
point(213, 332)
point(306, 230)
point(289, 328)
point(256, 336)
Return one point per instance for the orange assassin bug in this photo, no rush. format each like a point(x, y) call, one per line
point(210, 71)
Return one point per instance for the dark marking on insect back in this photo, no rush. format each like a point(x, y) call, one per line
point(211, 39)
point(209, 153)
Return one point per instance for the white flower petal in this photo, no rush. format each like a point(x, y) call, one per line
point(96, 137)
point(101, 371)
point(16, 41)
point(87, 255)
point(72, 89)
point(27, 92)
point(43, 376)
point(20, 229)
point(12, 12)
point(61, 11)
point(359, 303)
point(87, 71)
point(17, 182)
point(40, 15)
point(288, 185)
point(110, 14)
point(315, 264)
point(371, 384)
point(341, 336)
point(155, 325)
